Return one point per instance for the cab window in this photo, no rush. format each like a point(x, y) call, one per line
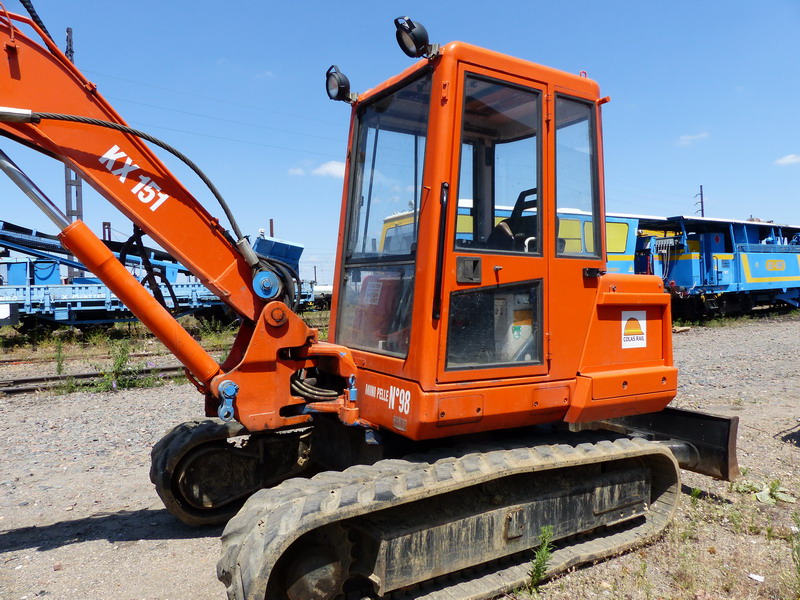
point(577, 199)
point(499, 168)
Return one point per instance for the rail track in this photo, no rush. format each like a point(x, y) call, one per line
point(49, 359)
point(24, 359)
point(24, 385)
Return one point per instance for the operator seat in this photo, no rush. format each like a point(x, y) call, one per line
point(511, 234)
point(517, 233)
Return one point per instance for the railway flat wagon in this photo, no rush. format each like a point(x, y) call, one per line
point(719, 266)
point(37, 290)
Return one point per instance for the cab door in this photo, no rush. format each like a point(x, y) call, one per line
point(493, 300)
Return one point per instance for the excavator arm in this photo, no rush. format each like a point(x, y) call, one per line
point(48, 105)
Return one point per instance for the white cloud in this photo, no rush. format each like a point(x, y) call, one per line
point(333, 168)
point(296, 171)
point(688, 140)
point(789, 159)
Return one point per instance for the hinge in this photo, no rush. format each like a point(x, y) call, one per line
point(548, 338)
point(445, 92)
point(548, 109)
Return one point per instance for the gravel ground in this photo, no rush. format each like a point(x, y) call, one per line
point(80, 519)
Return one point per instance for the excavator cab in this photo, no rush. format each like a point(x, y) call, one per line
point(472, 254)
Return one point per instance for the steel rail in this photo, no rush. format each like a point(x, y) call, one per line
point(24, 385)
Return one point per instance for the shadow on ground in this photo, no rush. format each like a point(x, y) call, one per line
point(791, 435)
point(123, 526)
point(703, 495)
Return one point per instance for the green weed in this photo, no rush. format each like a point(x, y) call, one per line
point(68, 386)
point(768, 493)
point(116, 375)
point(121, 374)
point(59, 357)
point(642, 578)
point(541, 558)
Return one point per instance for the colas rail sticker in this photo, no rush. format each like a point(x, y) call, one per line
point(634, 329)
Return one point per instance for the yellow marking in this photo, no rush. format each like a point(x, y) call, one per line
point(775, 265)
point(690, 256)
point(750, 279)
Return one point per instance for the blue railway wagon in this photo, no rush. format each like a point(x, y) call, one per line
point(35, 291)
point(720, 266)
point(574, 232)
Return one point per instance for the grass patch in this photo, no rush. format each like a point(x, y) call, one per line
point(318, 319)
point(119, 375)
point(60, 358)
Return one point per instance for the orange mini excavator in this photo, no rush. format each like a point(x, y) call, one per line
point(485, 379)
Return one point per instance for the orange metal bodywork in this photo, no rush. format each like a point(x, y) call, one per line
point(586, 373)
point(262, 373)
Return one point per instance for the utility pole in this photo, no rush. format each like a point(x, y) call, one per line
point(701, 203)
point(72, 182)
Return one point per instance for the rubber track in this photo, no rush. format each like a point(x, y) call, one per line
point(168, 452)
point(273, 518)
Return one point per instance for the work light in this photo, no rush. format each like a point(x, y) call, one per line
point(412, 37)
point(337, 84)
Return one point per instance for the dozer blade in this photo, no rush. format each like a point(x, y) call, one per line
point(701, 442)
point(456, 525)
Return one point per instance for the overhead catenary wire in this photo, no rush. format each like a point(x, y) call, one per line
point(259, 108)
point(223, 120)
point(248, 142)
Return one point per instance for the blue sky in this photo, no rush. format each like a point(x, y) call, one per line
point(702, 93)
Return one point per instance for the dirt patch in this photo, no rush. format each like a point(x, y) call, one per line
point(80, 519)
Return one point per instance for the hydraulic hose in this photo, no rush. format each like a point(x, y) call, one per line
point(35, 17)
point(310, 392)
point(37, 116)
point(285, 273)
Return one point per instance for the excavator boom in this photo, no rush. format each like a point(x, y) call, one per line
point(119, 165)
